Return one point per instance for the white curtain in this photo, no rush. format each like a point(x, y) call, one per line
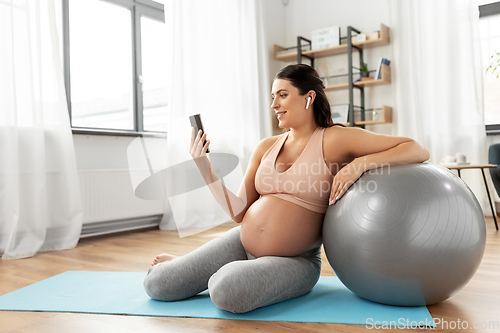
point(437, 80)
point(220, 71)
point(39, 190)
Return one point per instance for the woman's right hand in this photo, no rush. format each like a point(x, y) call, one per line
point(197, 149)
point(199, 153)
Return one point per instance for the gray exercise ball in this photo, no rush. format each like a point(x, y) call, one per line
point(407, 235)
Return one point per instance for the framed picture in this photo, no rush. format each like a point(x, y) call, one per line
point(326, 37)
point(339, 113)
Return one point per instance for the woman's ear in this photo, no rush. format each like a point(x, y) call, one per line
point(311, 95)
point(308, 102)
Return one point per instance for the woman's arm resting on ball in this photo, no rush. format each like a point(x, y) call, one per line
point(368, 150)
point(371, 150)
point(234, 205)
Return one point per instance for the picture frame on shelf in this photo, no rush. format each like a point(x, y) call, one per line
point(340, 113)
point(325, 38)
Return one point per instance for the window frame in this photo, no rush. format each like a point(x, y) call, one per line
point(488, 10)
point(138, 8)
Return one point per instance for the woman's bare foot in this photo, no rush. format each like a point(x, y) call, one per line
point(162, 257)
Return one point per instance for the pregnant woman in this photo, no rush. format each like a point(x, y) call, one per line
point(274, 255)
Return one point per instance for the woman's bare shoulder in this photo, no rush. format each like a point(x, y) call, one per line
point(334, 143)
point(334, 133)
point(266, 143)
point(262, 147)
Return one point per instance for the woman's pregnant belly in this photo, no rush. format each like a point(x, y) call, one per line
point(276, 227)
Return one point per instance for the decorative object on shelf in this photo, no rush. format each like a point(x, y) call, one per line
point(382, 61)
point(364, 70)
point(361, 38)
point(373, 35)
point(364, 74)
point(326, 37)
point(495, 62)
point(373, 116)
point(369, 115)
point(339, 113)
point(365, 37)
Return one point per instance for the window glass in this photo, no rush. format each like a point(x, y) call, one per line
point(156, 68)
point(101, 65)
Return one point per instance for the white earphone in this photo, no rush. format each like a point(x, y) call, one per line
point(308, 101)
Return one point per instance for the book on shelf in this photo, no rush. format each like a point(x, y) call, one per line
point(378, 73)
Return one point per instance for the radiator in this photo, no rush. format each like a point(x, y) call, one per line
point(109, 203)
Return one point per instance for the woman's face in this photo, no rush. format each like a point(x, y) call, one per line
point(289, 106)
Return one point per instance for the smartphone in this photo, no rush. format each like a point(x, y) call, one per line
point(198, 125)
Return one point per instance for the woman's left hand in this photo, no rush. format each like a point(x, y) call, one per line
point(344, 179)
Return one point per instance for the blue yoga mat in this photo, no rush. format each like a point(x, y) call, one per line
point(122, 293)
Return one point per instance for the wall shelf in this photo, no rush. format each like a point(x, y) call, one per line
point(383, 40)
point(385, 118)
point(385, 79)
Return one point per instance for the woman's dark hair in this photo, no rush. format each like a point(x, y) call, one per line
point(305, 78)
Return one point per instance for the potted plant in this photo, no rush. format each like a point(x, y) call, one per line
point(364, 70)
point(495, 62)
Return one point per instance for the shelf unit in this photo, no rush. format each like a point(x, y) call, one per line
point(382, 40)
point(370, 82)
point(386, 116)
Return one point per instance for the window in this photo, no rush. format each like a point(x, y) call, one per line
point(117, 66)
point(489, 31)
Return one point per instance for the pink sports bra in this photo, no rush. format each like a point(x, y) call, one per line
point(306, 183)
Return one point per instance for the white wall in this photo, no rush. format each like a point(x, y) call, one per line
point(106, 186)
point(101, 151)
point(303, 16)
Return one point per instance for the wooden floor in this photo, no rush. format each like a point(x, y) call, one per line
point(478, 302)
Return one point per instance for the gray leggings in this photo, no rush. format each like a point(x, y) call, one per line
point(237, 281)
